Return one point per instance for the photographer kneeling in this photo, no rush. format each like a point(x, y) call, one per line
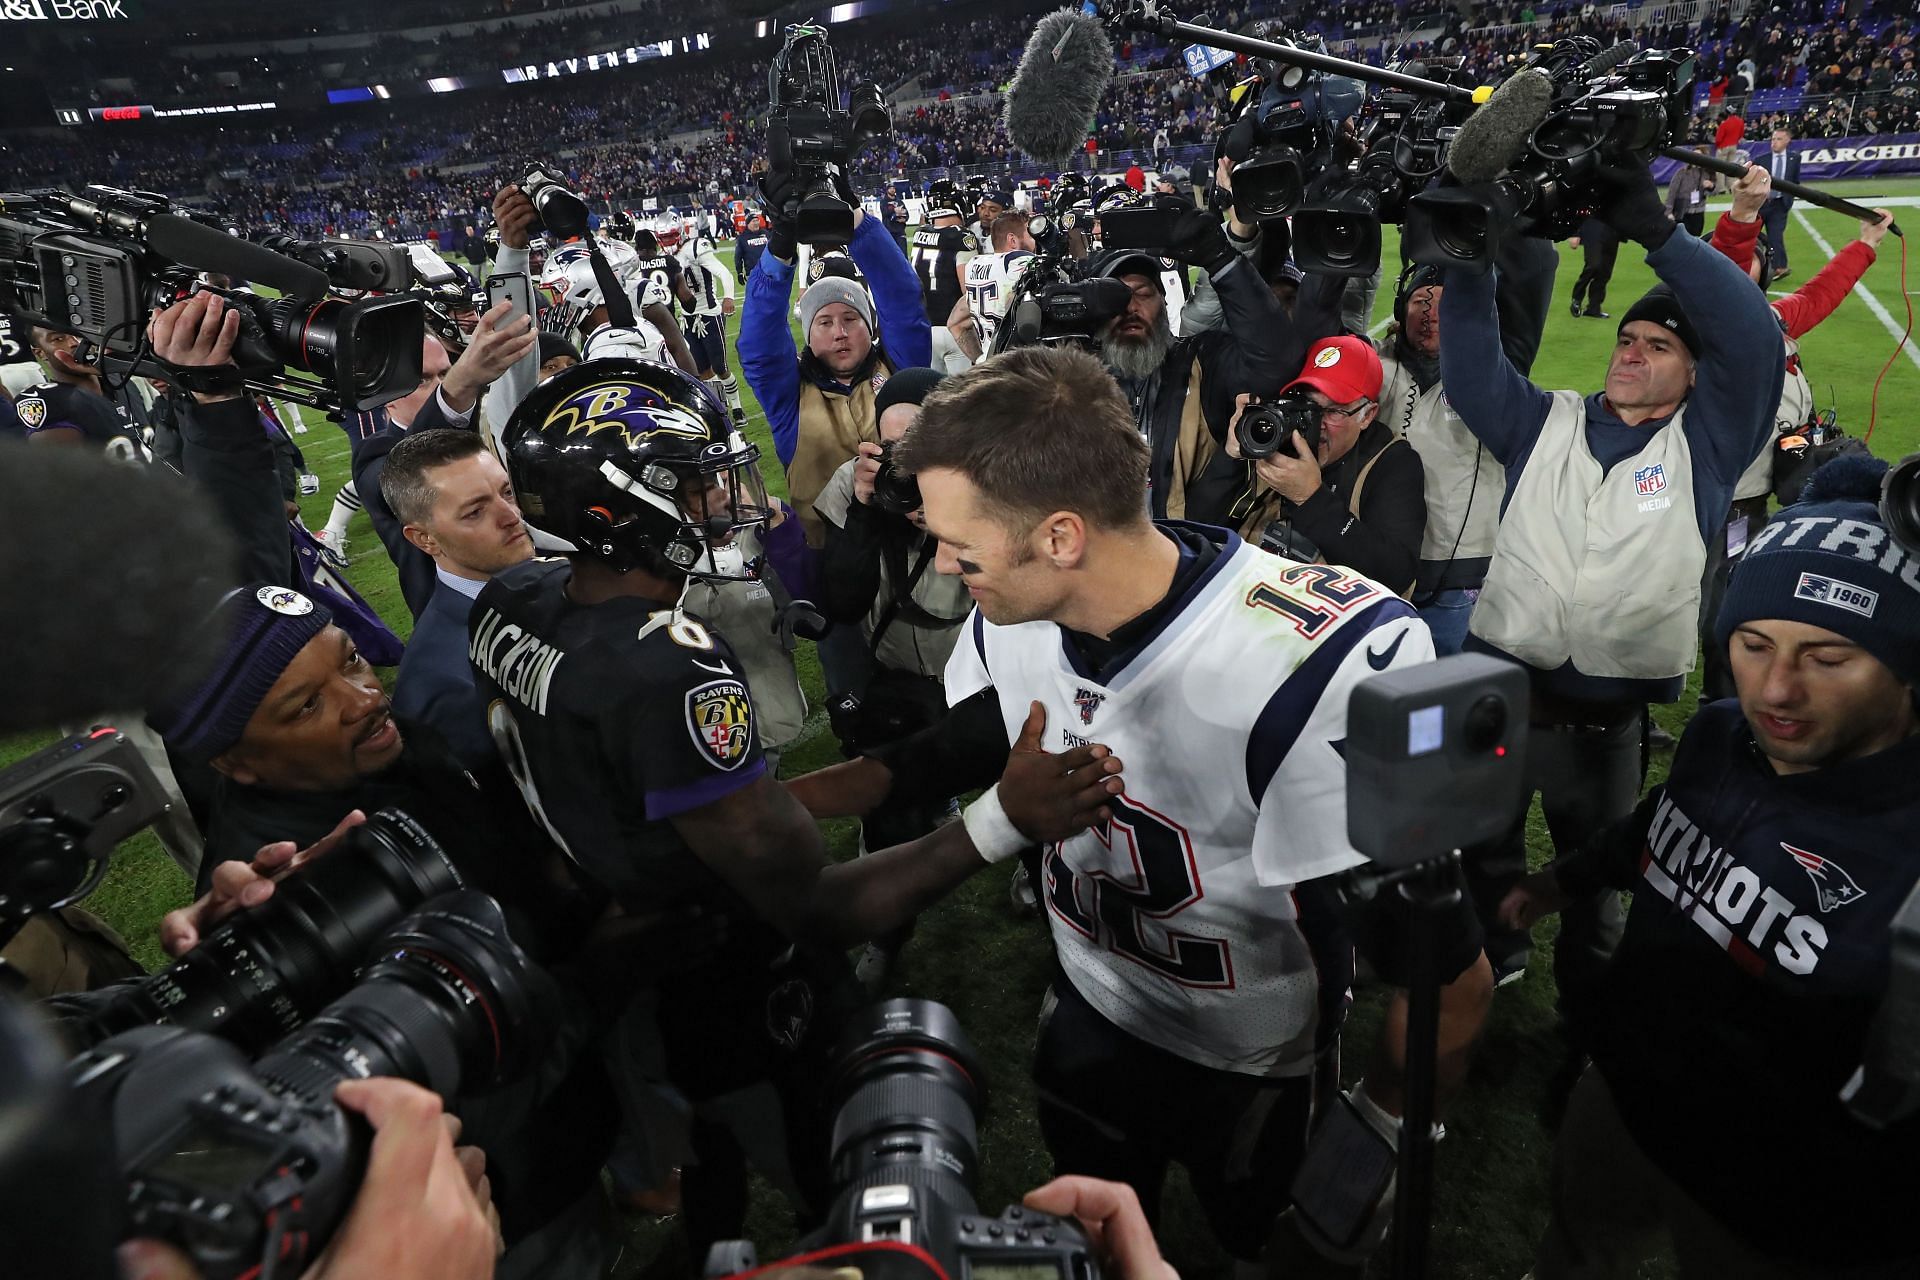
point(877, 580)
point(1331, 480)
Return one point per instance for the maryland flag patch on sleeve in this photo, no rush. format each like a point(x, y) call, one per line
point(720, 718)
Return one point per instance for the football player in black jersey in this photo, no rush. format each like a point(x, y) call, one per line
point(630, 729)
point(942, 247)
point(71, 406)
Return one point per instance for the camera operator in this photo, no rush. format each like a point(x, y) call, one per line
point(1765, 872)
point(819, 403)
point(1355, 495)
point(1464, 481)
point(1180, 1026)
point(1737, 235)
point(455, 504)
point(1596, 567)
point(1182, 391)
point(875, 581)
point(72, 407)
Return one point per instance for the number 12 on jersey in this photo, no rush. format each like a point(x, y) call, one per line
point(1150, 876)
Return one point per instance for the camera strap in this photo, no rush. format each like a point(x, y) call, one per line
point(619, 305)
point(892, 611)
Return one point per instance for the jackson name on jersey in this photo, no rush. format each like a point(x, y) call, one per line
point(1178, 919)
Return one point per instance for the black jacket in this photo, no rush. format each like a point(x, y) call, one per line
point(1383, 540)
point(225, 451)
point(414, 566)
point(1256, 351)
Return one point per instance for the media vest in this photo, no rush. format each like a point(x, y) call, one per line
point(1464, 484)
point(831, 429)
point(1602, 569)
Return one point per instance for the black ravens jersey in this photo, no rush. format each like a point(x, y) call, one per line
point(939, 256)
point(658, 280)
point(53, 406)
point(613, 718)
point(14, 347)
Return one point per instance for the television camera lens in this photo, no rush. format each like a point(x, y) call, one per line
point(1900, 502)
point(265, 971)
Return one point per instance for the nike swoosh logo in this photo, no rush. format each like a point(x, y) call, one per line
point(1379, 660)
point(724, 670)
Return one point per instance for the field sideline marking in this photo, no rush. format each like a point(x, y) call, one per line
point(1866, 294)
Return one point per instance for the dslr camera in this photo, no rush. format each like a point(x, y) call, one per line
point(812, 137)
point(1266, 429)
point(249, 1167)
point(85, 264)
point(908, 1087)
point(894, 492)
point(1610, 109)
point(563, 214)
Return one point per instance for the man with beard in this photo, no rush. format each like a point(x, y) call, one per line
point(1181, 391)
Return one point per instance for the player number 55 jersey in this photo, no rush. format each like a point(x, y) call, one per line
point(1179, 920)
point(991, 278)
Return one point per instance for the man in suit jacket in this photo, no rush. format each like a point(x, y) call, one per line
point(448, 395)
point(1782, 164)
point(457, 512)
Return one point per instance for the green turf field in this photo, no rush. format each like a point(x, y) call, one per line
point(973, 954)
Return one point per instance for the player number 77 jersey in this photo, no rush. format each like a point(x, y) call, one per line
point(1179, 919)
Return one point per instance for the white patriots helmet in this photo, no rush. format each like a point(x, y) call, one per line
point(569, 290)
point(642, 342)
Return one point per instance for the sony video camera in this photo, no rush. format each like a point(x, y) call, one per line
point(1282, 135)
point(249, 1167)
point(85, 264)
point(904, 1154)
point(812, 137)
point(1336, 230)
point(1266, 429)
point(1612, 108)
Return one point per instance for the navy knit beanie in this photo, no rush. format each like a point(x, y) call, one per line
point(261, 629)
point(1828, 561)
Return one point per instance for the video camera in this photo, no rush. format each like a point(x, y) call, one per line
point(810, 136)
point(1613, 108)
point(249, 1167)
point(1282, 135)
point(1336, 230)
point(904, 1152)
point(1053, 304)
point(99, 264)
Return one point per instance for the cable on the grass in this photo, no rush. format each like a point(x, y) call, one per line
point(1873, 410)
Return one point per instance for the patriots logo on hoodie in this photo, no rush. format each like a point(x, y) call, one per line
point(1830, 880)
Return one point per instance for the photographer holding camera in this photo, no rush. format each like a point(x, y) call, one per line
point(1766, 873)
point(819, 403)
point(1332, 482)
point(1182, 391)
point(876, 580)
point(1595, 576)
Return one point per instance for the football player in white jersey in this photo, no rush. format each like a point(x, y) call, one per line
point(1205, 958)
point(574, 305)
point(990, 280)
point(708, 303)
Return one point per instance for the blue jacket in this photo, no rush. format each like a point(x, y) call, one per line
point(767, 353)
point(1729, 412)
point(435, 683)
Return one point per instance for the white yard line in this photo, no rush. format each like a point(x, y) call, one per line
point(1866, 294)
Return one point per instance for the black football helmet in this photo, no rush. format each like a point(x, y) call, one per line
point(943, 199)
point(636, 464)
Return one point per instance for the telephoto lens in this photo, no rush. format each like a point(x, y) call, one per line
point(893, 492)
point(265, 971)
point(1900, 502)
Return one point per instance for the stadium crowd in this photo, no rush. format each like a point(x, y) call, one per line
point(1073, 539)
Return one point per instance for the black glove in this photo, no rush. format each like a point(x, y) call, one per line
point(1630, 204)
point(1199, 239)
point(777, 199)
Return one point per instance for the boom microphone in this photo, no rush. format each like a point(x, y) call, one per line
point(209, 249)
point(1492, 138)
point(1056, 88)
point(113, 571)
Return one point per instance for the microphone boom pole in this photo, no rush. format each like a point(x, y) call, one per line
point(1813, 196)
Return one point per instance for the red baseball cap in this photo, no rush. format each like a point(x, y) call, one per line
point(1343, 369)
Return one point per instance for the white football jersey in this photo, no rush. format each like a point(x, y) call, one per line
point(1179, 920)
point(990, 279)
